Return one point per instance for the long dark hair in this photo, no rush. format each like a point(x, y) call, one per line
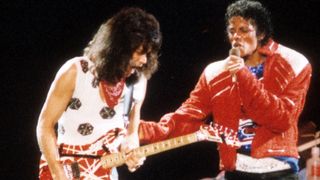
point(252, 10)
point(116, 40)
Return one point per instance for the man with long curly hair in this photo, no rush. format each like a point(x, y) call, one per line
point(87, 99)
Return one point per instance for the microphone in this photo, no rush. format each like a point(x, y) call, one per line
point(235, 52)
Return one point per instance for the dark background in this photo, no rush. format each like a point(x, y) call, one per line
point(37, 37)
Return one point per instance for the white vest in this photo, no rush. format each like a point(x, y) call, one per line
point(81, 123)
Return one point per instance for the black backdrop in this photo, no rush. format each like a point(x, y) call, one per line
point(38, 36)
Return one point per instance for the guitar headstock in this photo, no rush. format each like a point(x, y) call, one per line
point(220, 134)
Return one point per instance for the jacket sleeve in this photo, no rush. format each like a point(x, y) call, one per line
point(186, 119)
point(275, 111)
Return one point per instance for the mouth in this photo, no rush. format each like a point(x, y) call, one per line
point(236, 45)
point(136, 68)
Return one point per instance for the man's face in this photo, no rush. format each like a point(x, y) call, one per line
point(242, 34)
point(138, 59)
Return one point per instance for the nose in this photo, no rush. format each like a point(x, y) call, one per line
point(143, 59)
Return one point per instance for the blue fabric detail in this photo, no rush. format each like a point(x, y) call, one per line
point(246, 135)
point(293, 162)
point(257, 70)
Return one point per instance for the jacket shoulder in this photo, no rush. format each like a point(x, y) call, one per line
point(295, 59)
point(214, 69)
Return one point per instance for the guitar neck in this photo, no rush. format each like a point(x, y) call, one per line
point(308, 145)
point(117, 159)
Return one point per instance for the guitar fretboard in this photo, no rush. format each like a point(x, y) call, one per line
point(117, 159)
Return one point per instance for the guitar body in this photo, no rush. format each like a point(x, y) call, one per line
point(77, 168)
point(83, 161)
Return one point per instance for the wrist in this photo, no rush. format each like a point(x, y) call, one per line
point(133, 128)
point(56, 170)
point(132, 134)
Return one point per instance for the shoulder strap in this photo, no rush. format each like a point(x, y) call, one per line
point(128, 97)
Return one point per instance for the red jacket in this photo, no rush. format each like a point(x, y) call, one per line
point(274, 102)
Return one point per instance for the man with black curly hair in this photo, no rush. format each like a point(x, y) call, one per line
point(259, 91)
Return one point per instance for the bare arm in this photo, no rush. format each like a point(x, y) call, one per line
point(132, 139)
point(58, 97)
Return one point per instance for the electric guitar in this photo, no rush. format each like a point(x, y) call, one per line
point(94, 156)
point(214, 133)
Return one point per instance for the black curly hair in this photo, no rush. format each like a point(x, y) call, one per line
point(116, 40)
point(252, 10)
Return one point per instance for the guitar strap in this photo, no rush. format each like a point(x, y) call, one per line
point(128, 98)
